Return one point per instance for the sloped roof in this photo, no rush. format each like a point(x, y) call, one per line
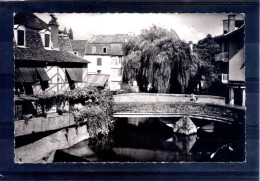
point(79, 46)
point(46, 55)
point(98, 80)
point(112, 49)
point(35, 51)
point(64, 43)
point(29, 20)
point(239, 31)
point(117, 49)
point(117, 38)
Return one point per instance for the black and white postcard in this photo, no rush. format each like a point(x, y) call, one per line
point(129, 87)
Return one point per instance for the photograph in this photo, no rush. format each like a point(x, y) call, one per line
point(129, 87)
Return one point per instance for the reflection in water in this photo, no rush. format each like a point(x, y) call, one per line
point(151, 140)
point(184, 143)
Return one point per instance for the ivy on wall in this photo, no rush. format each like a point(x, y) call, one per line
point(96, 110)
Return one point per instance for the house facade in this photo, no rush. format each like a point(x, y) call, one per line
point(44, 60)
point(231, 60)
point(105, 53)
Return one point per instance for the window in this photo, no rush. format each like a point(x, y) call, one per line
point(47, 40)
point(98, 71)
point(99, 61)
point(104, 50)
point(20, 34)
point(94, 49)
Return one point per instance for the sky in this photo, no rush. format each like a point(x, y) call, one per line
point(189, 27)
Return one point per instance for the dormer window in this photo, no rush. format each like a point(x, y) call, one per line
point(104, 50)
point(46, 38)
point(19, 35)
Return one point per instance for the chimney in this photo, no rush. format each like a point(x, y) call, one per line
point(231, 22)
point(54, 31)
point(225, 26)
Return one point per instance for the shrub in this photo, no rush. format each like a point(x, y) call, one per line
point(97, 111)
point(126, 88)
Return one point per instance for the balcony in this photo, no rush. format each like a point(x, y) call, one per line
point(223, 78)
point(222, 57)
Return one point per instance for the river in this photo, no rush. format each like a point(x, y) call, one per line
point(151, 140)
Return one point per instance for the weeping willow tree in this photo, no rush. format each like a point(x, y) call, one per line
point(158, 60)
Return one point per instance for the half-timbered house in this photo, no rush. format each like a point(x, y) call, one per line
point(44, 60)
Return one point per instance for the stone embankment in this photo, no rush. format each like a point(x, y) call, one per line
point(43, 150)
point(42, 124)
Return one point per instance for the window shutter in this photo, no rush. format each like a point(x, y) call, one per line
point(99, 61)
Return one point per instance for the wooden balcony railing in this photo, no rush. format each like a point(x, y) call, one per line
point(222, 57)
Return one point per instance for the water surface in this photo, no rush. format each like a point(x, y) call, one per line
point(151, 140)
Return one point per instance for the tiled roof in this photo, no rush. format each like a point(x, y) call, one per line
point(79, 46)
point(29, 20)
point(117, 38)
point(35, 51)
point(112, 49)
point(64, 43)
point(117, 49)
point(46, 55)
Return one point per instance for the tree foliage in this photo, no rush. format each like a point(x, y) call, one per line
point(157, 58)
point(97, 107)
point(204, 59)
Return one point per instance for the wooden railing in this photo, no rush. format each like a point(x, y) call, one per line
point(222, 57)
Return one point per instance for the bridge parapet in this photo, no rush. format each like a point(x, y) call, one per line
point(213, 112)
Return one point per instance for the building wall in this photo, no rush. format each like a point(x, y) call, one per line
point(93, 67)
point(236, 71)
point(58, 82)
point(111, 65)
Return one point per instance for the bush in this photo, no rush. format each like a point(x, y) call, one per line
point(97, 111)
point(126, 88)
point(97, 114)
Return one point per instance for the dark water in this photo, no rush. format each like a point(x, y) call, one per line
point(151, 140)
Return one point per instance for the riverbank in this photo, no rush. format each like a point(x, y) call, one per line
point(43, 150)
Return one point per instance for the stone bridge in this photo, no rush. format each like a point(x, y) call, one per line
point(206, 107)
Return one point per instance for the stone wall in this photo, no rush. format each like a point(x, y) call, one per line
point(43, 150)
point(188, 108)
point(41, 124)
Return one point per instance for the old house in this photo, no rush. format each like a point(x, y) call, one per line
point(44, 60)
point(105, 52)
point(231, 60)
